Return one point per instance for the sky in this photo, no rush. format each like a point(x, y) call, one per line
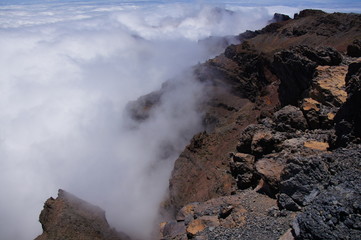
point(68, 71)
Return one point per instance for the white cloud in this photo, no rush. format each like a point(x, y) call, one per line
point(68, 70)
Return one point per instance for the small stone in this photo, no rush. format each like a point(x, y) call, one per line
point(285, 202)
point(194, 227)
point(330, 116)
point(287, 235)
point(321, 146)
point(310, 104)
point(185, 212)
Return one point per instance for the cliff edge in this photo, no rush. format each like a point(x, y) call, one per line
point(283, 122)
point(280, 154)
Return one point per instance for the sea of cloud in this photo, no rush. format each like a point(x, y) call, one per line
point(68, 70)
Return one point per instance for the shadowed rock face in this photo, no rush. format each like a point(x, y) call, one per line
point(68, 217)
point(296, 68)
point(349, 117)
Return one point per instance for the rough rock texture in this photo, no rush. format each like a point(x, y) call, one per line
point(313, 28)
point(294, 91)
point(296, 68)
point(290, 117)
point(335, 213)
point(348, 119)
point(68, 217)
point(250, 81)
point(328, 85)
point(247, 215)
point(278, 17)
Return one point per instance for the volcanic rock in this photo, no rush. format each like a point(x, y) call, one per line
point(245, 215)
point(335, 212)
point(296, 68)
point(322, 146)
point(270, 169)
point(242, 169)
point(277, 93)
point(328, 86)
point(68, 217)
point(278, 17)
point(269, 144)
point(280, 107)
point(354, 49)
point(290, 118)
point(348, 119)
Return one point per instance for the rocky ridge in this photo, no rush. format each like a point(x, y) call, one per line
point(290, 147)
point(279, 157)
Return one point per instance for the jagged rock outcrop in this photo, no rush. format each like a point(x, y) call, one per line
point(279, 17)
point(68, 217)
point(296, 68)
point(349, 117)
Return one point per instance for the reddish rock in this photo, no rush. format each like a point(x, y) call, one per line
point(201, 171)
point(311, 110)
point(270, 169)
point(262, 143)
point(68, 217)
point(328, 87)
point(198, 225)
point(173, 230)
point(321, 146)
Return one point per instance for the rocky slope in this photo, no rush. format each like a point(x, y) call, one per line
point(276, 67)
point(298, 81)
point(280, 156)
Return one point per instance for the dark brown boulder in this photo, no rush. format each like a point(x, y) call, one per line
point(242, 169)
point(354, 49)
point(290, 118)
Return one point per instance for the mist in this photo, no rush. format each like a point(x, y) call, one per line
point(68, 71)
